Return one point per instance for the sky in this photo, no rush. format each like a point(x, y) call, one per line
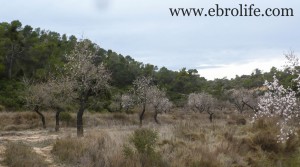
point(144, 29)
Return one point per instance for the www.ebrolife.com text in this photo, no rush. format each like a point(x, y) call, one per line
point(241, 10)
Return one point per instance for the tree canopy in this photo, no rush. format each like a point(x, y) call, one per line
point(40, 54)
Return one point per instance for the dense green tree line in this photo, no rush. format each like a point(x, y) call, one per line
point(27, 52)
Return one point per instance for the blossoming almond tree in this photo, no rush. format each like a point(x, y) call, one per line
point(127, 101)
point(60, 93)
point(54, 94)
point(201, 102)
point(142, 87)
point(281, 103)
point(36, 97)
point(88, 78)
point(159, 101)
point(242, 98)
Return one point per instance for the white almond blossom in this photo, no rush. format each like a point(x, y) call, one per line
point(280, 102)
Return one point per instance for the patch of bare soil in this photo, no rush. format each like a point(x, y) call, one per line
point(40, 140)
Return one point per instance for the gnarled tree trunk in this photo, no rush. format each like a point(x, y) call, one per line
point(58, 111)
point(142, 114)
point(210, 114)
point(36, 109)
point(155, 117)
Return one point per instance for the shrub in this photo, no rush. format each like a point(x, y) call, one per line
point(17, 119)
point(68, 150)
point(88, 151)
point(30, 116)
point(21, 155)
point(10, 94)
point(65, 117)
point(265, 136)
point(292, 144)
point(241, 121)
point(143, 151)
point(267, 141)
point(144, 140)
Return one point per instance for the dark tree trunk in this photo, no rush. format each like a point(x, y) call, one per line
point(10, 67)
point(9, 64)
point(142, 114)
point(10, 58)
point(211, 116)
point(80, 122)
point(83, 101)
point(10, 61)
point(36, 109)
point(58, 110)
point(120, 106)
point(84, 97)
point(155, 117)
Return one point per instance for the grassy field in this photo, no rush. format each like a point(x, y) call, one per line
point(116, 139)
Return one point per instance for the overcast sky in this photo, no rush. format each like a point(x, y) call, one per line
point(144, 29)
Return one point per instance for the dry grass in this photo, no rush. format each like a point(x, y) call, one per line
point(16, 121)
point(95, 149)
point(184, 139)
point(21, 155)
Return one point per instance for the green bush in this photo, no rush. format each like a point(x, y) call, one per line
point(143, 151)
point(144, 140)
point(65, 117)
point(11, 94)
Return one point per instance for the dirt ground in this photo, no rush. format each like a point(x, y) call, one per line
point(40, 140)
